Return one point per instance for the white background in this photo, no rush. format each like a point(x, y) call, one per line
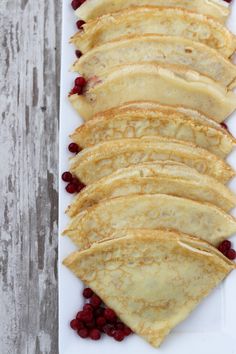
point(210, 329)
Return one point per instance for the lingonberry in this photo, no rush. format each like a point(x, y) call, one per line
point(67, 176)
point(83, 333)
point(80, 24)
point(119, 336)
point(74, 324)
point(224, 246)
point(101, 321)
point(127, 331)
point(88, 307)
point(74, 148)
point(110, 315)
point(95, 334)
point(71, 188)
point(80, 81)
point(95, 301)
point(78, 53)
point(231, 254)
point(87, 293)
point(75, 4)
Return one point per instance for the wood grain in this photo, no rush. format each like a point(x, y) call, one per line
point(29, 104)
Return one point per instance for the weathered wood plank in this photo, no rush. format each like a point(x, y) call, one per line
point(29, 94)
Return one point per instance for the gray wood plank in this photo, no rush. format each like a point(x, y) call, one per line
point(29, 103)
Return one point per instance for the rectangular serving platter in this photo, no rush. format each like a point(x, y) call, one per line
point(210, 329)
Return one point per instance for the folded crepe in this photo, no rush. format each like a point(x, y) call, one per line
point(100, 160)
point(164, 49)
point(152, 279)
point(150, 211)
point(164, 177)
point(149, 119)
point(166, 84)
point(156, 20)
point(91, 9)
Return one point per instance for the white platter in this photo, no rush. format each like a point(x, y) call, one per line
point(210, 329)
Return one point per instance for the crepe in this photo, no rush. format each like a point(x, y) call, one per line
point(91, 9)
point(147, 119)
point(150, 211)
point(156, 20)
point(165, 84)
point(164, 49)
point(152, 279)
point(99, 161)
point(165, 177)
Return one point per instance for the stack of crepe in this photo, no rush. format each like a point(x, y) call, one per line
point(156, 205)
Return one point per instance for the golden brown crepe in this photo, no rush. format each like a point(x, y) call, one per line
point(165, 84)
point(149, 119)
point(156, 20)
point(91, 9)
point(164, 177)
point(152, 279)
point(100, 160)
point(164, 49)
point(150, 211)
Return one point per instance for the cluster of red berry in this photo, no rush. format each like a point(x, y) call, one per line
point(96, 320)
point(225, 248)
point(74, 184)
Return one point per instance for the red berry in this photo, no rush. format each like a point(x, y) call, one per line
point(80, 315)
point(71, 188)
point(88, 307)
point(95, 334)
point(74, 324)
point(74, 148)
point(80, 81)
point(78, 53)
point(87, 293)
point(229, 1)
point(87, 316)
point(80, 24)
point(119, 336)
point(75, 4)
point(224, 246)
point(110, 315)
point(127, 331)
point(95, 301)
point(67, 176)
point(101, 321)
point(231, 254)
point(83, 333)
